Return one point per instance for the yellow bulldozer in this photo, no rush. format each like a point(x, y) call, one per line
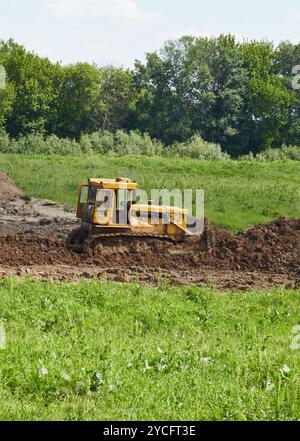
point(108, 209)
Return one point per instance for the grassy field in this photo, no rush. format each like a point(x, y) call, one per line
point(238, 194)
point(116, 351)
point(120, 351)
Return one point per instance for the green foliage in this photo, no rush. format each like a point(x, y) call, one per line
point(287, 56)
point(4, 142)
point(7, 97)
point(284, 153)
point(119, 143)
point(135, 143)
point(269, 104)
point(94, 99)
point(107, 351)
point(196, 148)
point(236, 95)
point(32, 88)
point(77, 101)
point(117, 99)
point(238, 194)
point(38, 144)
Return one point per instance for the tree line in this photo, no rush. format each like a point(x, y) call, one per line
point(236, 94)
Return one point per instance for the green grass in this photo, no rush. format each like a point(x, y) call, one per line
point(238, 194)
point(116, 351)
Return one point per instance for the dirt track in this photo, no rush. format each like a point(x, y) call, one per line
point(32, 236)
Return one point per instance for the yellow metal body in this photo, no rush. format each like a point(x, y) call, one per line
point(99, 205)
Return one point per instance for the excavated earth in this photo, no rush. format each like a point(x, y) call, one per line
point(32, 242)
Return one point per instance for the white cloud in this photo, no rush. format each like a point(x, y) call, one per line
point(110, 9)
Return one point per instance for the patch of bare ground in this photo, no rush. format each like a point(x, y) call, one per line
point(32, 242)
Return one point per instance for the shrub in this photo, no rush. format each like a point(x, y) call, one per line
point(98, 142)
point(37, 144)
point(33, 143)
point(61, 146)
point(136, 143)
point(133, 143)
point(4, 142)
point(291, 152)
point(284, 153)
point(120, 143)
point(197, 148)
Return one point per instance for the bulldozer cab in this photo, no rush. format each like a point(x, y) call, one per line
point(105, 202)
point(95, 205)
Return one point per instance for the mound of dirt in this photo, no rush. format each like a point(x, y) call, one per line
point(265, 255)
point(32, 241)
point(8, 190)
point(273, 246)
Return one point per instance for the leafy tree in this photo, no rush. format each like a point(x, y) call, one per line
point(94, 99)
point(79, 94)
point(7, 96)
point(117, 99)
point(33, 86)
point(268, 98)
point(238, 95)
point(228, 85)
point(164, 94)
point(287, 56)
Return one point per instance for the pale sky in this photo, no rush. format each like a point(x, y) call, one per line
point(119, 31)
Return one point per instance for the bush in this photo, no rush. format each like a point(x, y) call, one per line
point(120, 143)
point(197, 148)
point(97, 142)
point(103, 143)
point(136, 143)
point(37, 144)
point(284, 153)
point(4, 142)
point(61, 146)
point(132, 143)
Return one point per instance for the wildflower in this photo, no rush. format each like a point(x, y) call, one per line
point(147, 367)
point(285, 369)
point(207, 360)
point(269, 386)
point(43, 371)
point(65, 375)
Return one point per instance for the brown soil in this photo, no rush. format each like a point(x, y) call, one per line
point(32, 241)
point(8, 190)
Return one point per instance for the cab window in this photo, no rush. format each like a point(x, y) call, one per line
point(92, 194)
point(103, 198)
